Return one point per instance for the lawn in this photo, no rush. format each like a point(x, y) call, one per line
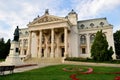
point(56, 73)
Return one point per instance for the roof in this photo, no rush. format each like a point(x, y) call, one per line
point(92, 19)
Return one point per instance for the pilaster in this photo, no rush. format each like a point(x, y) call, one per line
point(66, 42)
point(52, 42)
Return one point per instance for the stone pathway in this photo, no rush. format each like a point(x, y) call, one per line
point(22, 69)
point(31, 67)
point(91, 64)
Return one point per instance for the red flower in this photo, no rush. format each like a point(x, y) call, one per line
point(73, 77)
point(117, 78)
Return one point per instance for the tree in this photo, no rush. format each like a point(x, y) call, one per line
point(7, 48)
point(99, 48)
point(4, 48)
point(117, 43)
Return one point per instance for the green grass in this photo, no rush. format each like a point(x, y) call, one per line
point(56, 73)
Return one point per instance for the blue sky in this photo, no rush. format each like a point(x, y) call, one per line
point(20, 12)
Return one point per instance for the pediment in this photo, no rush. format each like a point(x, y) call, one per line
point(47, 18)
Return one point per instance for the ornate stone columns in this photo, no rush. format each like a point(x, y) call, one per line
point(40, 44)
point(66, 41)
point(29, 43)
point(57, 50)
point(52, 43)
point(46, 46)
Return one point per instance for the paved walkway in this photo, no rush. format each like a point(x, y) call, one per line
point(92, 64)
point(32, 67)
point(22, 69)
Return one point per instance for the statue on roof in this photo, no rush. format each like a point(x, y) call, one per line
point(47, 11)
point(72, 12)
point(16, 34)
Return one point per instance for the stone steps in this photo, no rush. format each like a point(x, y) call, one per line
point(44, 60)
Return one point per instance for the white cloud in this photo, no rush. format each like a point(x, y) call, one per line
point(20, 12)
point(93, 8)
point(116, 28)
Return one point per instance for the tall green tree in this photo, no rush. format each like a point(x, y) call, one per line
point(7, 48)
point(99, 48)
point(117, 43)
point(4, 48)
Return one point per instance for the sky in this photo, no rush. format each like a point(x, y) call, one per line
point(20, 12)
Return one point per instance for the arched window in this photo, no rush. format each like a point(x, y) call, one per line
point(20, 33)
point(91, 24)
point(26, 32)
point(82, 26)
point(92, 36)
point(101, 24)
point(25, 41)
point(83, 39)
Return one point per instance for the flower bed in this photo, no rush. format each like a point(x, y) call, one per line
point(73, 77)
point(89, 71)
point(117, 78)
point(79, 70)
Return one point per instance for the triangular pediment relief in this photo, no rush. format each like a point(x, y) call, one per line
point(47, 18)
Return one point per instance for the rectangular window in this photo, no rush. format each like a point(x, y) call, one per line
point(83, 50)
point(16, 50)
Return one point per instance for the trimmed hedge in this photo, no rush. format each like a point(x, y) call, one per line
point(79, 59)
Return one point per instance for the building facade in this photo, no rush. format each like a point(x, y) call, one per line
point(51, 36)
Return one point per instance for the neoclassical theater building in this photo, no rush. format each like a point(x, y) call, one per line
point(50, 36)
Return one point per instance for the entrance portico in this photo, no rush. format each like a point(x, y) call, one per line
point(48, 39)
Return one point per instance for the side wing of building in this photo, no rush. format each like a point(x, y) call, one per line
point(87, 30)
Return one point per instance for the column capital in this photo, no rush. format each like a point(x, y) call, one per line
point(52, 28)
point(65, 27)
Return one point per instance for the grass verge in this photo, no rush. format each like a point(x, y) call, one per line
point(56, 72)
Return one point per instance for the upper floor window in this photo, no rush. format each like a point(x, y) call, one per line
point(82, 26)
point(25, 42)
point(20, 33)
point(92, 36)
point(83, 39)
point(91, 24)
point(26, 32)
point(101, 24)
